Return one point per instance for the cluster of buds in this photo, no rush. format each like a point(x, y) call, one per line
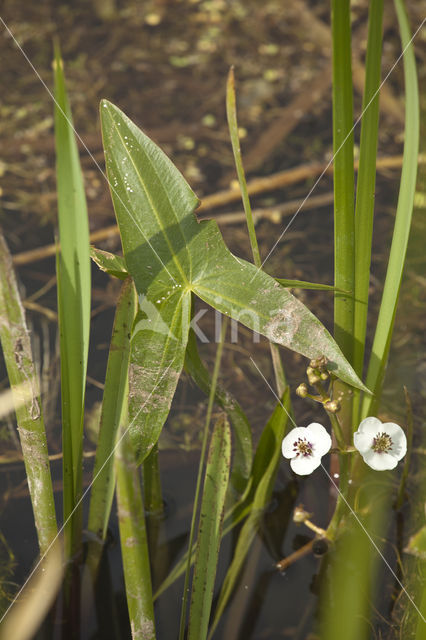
point(317, 373)
point(317, 370)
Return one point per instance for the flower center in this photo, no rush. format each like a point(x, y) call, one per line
point(303, 447)
point(382, 443)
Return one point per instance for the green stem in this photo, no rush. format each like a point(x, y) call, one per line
point(231, 113)
point(364, 211)
point(343, 145)
point(134, 543)
point(200, 473)
point(114, 397)
point(152, 483)
point(154, 508)
point(337, 429)
point(341, 503)
point(409, 422)
point(23, 381)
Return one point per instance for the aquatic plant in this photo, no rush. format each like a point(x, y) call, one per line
point(169, 258)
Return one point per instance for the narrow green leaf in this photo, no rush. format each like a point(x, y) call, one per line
point(265, 467)
point(134, 544)
point(301, 284)
point(112, 405)
point(18, 357)
point(385, 322)
point(154, 508)
point(73, 298)
point(365, 194)
point(233, 516)
point(169, 254)
point(231, 114)
point(343, 180)
point(343, 150)
point(210, 529)
point(401, 497)
point(243, 451)
point(109, 262)
point(215, 376)
point(153, 497)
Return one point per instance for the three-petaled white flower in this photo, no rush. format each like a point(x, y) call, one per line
point(305, 446)
point(381, 445)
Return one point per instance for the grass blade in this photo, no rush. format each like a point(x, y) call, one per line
point(243, 449)
point(23, 381)
point(154, 509)
point(301, 284)
point(343, 179)
point(365, 196)
point(134, 543)
point(343, 149)
point(265, 468)
point(231, 113)
point(112, 404)
point(233, 516)
point(219, 351)
point(210, 529)
point(385, 322)
point(73, 301)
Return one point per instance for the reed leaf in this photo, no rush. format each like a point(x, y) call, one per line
point(343, 180)
point(134, 542)
point(210, 529)
point(73, 272)
point(385, 322)
point(243, 450)
point(265, 466)
point(343, 150)
point(112, 405)
point(365, 194)
point(18, 357)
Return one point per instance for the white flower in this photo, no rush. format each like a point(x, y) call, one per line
point(381, 445)
point(305, 446)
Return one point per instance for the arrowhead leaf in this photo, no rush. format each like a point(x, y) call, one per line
point(169, 254)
